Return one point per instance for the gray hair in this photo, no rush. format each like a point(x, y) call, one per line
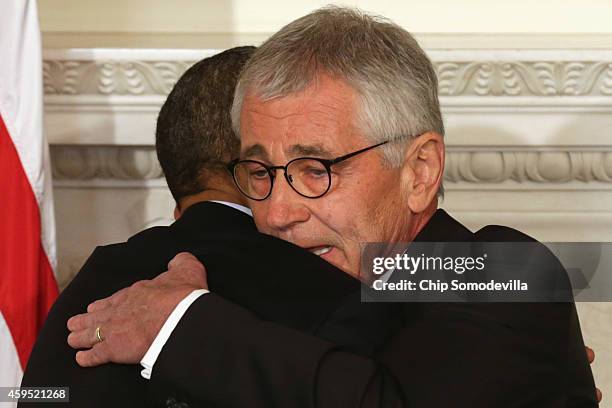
point(385, 65)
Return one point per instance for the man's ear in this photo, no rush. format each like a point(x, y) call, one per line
point(423, 170)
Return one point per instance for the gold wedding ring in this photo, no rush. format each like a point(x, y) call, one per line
point(99, 336)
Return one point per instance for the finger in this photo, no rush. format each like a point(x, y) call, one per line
point(107, 302)
point(590, 354)
point(78, 322)
point(83, 339)
point(184, 260)
point(188, 269)
point(598, 393)
point(98, 305)
point(87, 320)
point(99, 354)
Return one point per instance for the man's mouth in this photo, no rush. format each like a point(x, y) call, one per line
point(322, 250)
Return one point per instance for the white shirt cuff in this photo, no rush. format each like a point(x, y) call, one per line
point(151, 355)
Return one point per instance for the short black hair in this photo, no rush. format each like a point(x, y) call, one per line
point(194, 130)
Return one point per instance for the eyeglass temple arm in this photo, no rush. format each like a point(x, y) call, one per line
point(348, 156)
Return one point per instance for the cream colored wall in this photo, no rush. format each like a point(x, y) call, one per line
point(264, 16)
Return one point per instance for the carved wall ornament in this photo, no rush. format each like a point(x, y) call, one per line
point(111, 77)
point(482, 75)
point(554, 166)
point(518, 78)
point(105, 162)
point(482, 165)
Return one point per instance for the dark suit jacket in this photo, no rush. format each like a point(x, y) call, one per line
point(274, 280)
point(446, 354)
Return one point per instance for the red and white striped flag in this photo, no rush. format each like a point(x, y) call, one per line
point(27, 230)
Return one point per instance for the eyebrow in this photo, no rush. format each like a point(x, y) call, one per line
point(316, 150)
point(297, 150)
point(255, 150)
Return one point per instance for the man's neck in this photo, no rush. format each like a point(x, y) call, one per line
point(423, 218)
point(208, 195)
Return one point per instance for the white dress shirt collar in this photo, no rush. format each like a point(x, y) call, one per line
point(238, 207)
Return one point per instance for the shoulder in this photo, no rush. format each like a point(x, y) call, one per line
point(142, 256)
point(500, 233)
point(530, 259)
point(517, 249)
point(110, 253)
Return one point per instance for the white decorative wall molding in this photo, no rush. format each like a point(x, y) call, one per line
point(514, 78)
point(536, 167)
point(112, 96)
point(111, 77)
point(555, 166)
point(465, 72)
point(474, 73)
point(105, 162)
point(524, 73)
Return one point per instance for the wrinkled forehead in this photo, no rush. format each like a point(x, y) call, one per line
point(320, 120)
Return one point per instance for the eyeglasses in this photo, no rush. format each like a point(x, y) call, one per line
point(310, 177)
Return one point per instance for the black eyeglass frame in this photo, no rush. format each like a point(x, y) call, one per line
point(327, 163)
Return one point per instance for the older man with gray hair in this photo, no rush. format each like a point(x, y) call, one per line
point(339, 85)
point(342, 144)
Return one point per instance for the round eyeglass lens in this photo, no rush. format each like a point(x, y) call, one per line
point(308, 177)
point(253, 179)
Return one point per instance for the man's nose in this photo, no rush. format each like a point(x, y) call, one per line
point(285, 206)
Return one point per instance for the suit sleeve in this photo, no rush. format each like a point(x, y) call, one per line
point(222, 355)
